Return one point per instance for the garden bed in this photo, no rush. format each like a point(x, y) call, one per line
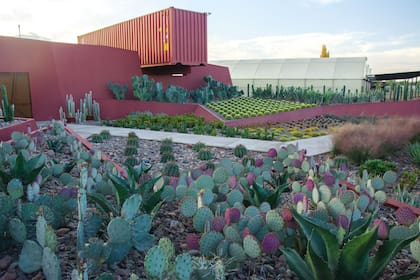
point(23, 125)
point(169, 222)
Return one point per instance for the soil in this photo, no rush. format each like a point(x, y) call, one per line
point(170, 223)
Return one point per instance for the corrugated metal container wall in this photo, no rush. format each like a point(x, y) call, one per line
point(189, 36)
point(121, 35)
point(166, 37)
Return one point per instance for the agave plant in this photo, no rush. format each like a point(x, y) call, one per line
point(136, 182)
point(333, 253)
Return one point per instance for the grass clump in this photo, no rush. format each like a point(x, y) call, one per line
point(360, 142)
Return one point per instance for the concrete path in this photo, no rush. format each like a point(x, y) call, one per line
point(313, 146)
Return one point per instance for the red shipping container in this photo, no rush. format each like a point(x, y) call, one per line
point(168, 37)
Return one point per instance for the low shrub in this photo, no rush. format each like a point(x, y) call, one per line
point(360, 142)
point(376, 167)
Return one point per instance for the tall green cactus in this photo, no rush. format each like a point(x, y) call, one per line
point(8, 109)
point(70, 105)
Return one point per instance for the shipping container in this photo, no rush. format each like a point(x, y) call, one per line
point(167, 37)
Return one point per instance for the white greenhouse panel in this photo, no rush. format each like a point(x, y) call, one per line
point(263, 83)
point(321, 69)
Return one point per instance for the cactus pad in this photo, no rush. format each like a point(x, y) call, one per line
point(400, 232)
point(30, 258)
point(234, 196)
point(202, 216)
point(204, 182)
point(325, 193)
point(390, 177)
point(183, 266)
point(232, 215)
point(382, 228)
point(236, 251)
point(255, 223)
point(181, 191)
point(251, 211)
point(363, 202)
point(50, 265)
point(231, 233)
point(377, 183)
point(336, 207)
point(251, 246)
point(169, 249)
point(405, 216)
point(265, 207)
point(188, 206)
point(347, 197)
point(274, 220)
point(17, 230)
point(270, 243)
point(209, 242)
point(119, 230)
point(220, 175)
point(154, 262)
point(380, 196)
point(218, 223)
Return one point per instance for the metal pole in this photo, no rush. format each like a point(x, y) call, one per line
point(19, 29)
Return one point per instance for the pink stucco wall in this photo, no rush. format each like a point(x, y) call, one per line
point(57, 69)
point(109, 109)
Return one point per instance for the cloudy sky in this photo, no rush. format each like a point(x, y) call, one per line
point(385, 31)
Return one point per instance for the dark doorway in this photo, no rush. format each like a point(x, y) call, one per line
point(18, 92)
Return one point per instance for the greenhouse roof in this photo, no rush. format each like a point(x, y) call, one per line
point(297, 68)
point(394, 76)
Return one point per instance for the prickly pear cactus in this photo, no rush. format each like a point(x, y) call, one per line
point(251, 246)
point(220, 175)
point(119, 230)
point(236, 251)
point(169, 249)
point(188, 206)
point(209, 242)
point(17, 230)
point(274, 220)
point(202, 216)
point(154, 262)
point(183, 266)
point(50, 265)
point(30, 258)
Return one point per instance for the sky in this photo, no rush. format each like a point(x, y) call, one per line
point(387, 32)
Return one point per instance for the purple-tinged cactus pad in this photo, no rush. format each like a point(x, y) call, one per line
point(270, 243)
point(193, 241)
point(272, 152)
point(329, 179)
point(405, 216)
point(382, 229)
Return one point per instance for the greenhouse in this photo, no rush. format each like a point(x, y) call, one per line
point(333, 73)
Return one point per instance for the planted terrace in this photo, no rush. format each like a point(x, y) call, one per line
point(246, 107)
point(229, 211)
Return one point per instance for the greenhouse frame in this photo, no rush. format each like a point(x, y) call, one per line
point(333, 73)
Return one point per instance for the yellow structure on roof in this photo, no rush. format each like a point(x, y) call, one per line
point(324, 52)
